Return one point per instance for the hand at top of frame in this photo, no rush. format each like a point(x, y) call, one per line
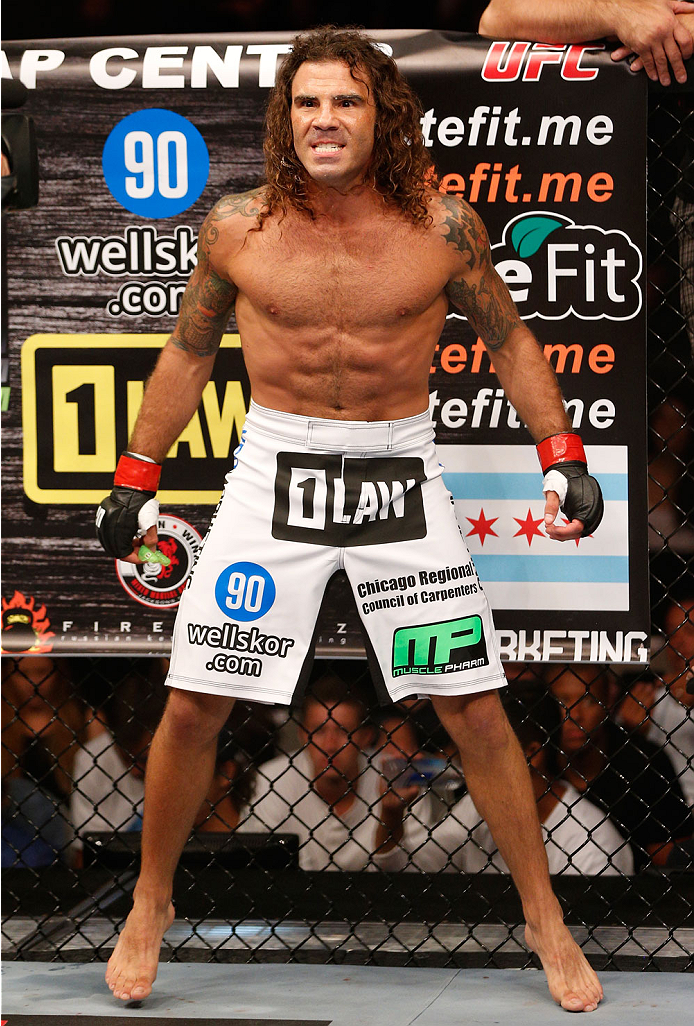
point(661, 41)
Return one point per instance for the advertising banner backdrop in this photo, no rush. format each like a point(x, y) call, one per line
point(138, 138)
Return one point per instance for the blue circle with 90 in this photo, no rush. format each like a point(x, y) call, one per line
point(245, 591)
point(155, 163)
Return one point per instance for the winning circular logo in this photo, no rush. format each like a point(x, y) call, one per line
point(155, 163)
point(153, 584)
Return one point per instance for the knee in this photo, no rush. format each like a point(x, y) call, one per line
point(192, 716)
point(477, 721)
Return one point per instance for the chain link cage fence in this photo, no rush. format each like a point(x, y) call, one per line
point(342, 831)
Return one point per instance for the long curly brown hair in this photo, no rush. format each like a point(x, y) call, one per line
point(400, 168)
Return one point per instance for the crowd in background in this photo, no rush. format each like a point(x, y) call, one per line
point(361, 786)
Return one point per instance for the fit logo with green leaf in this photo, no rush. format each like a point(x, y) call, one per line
point(554, 267)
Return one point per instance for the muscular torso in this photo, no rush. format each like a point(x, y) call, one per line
point(338, 317)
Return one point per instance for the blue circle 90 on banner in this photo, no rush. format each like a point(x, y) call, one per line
point(155, 163)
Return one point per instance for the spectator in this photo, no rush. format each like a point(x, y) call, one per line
point(579, 838)
point(663, 712)
point(682, 220)
point(231, 786)
point(626, 775)
point(671, 450)
point(399, 740)
point(254, 729)
point(659, 32)
point(110, 768)
point(43, 723)
point(328, 792)
point(398, 735)
point(32, 834)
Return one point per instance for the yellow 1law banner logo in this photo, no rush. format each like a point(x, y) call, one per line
point(80, 397)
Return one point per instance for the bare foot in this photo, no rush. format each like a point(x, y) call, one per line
point(132, 968)
point(572, 982)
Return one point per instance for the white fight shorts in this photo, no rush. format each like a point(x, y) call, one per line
point(308, 497)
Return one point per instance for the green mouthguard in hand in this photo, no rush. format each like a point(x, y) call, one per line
point(152, 556)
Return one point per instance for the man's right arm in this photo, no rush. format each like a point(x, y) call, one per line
point(171, 397)
point(184, 367)
point(648, 28)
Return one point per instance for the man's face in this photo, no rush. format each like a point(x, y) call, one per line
point(584, 709)
point(333, 122)
point(333, 754)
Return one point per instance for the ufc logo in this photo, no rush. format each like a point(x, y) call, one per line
point(504, 61)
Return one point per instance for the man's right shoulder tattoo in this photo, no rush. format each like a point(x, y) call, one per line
point(247, 204)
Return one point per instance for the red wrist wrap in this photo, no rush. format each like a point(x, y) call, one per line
point(137, 474)
point(560, 449)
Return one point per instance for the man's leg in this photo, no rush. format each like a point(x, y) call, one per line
point(499, 782)
point(179, 773)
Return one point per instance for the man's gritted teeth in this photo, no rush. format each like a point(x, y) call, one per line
point(327, 146)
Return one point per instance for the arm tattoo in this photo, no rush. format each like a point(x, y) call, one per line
point(477, 290)
point(248, 204)
point(465, 231)
point(488, 308)
point(204, 313)
point(209, 298)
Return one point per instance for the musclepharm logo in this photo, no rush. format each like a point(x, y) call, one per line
point(554, 268)
point(448, 647)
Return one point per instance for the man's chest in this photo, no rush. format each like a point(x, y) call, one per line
point(342, 277)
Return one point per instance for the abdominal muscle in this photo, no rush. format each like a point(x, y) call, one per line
point(331, 372)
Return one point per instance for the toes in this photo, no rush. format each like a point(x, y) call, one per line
point(122, 986)
point(127, 987)
point(572, 1003)
point(142, 989)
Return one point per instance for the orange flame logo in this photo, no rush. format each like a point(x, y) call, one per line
point(25, 626)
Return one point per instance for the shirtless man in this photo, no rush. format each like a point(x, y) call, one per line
point(340, 271)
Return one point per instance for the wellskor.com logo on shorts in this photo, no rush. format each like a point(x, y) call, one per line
point(451, 646)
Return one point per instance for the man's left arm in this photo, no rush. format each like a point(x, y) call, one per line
point(528, 380)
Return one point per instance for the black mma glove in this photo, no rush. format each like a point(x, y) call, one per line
point(565, 467)
point(131, 508)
